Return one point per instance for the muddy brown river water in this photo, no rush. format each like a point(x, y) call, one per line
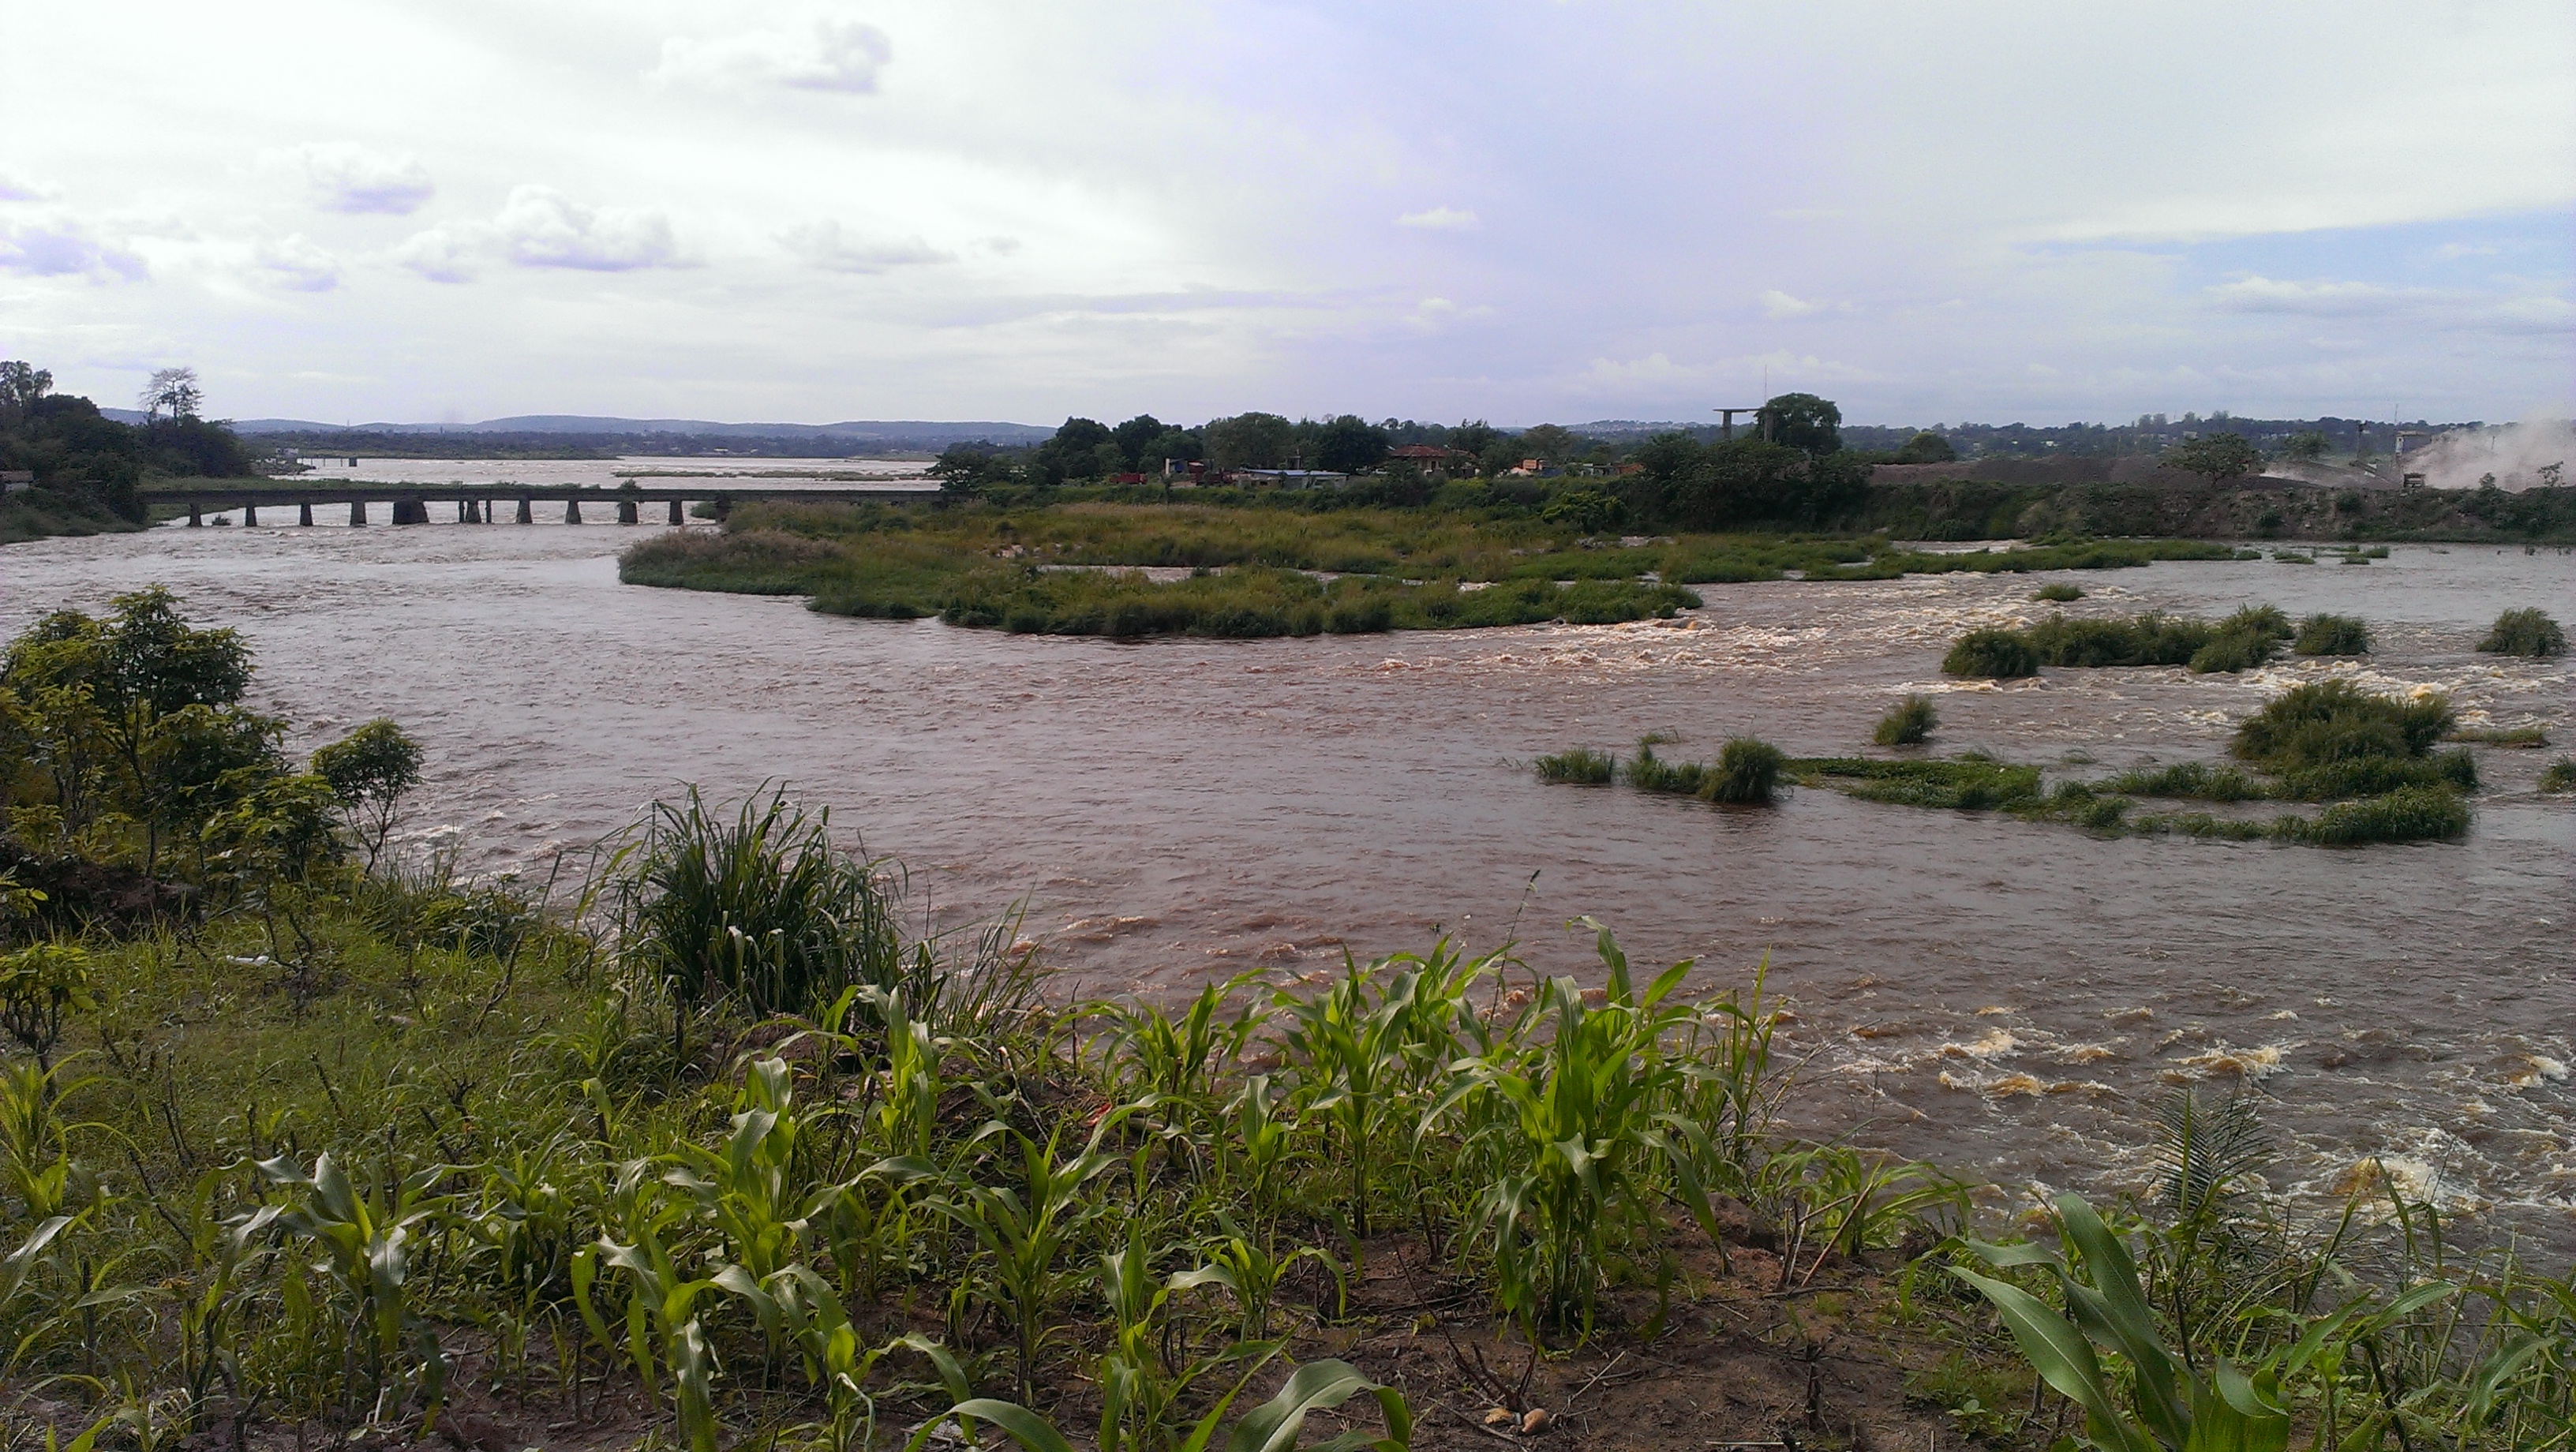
point(2010, 999)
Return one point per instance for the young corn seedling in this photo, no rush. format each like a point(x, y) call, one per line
point(366, 1243)
point(1271, 1427)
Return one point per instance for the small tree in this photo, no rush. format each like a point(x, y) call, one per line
point(2305, 447)
point(1804, 421)
point(173, 392)
point(371, 770)
point(39, 985)
point(1927, 447)
point(22, 386)
point(2216, 457)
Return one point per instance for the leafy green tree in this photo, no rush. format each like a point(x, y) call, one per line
point(1804, 421)
point(22, 385)
point(1135, 440)
point(370, 771)
point(1550, 443)
point(1589, 510)
point(2307, 446)
point(1349, 444)
point(965, 471)
point(1178, 444)
point(2216, 457)
point(1472, 437)
point(1250, 441)
point(198, 760)
point(1926, 447)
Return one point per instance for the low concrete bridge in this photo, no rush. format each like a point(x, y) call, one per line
point(484, 503)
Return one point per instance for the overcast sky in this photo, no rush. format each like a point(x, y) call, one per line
point(361, 210)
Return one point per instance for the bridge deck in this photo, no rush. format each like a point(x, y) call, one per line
point(292, 494)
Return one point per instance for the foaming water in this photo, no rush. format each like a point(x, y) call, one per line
point(2007, 998)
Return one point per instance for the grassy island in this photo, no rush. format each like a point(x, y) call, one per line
point(1276, 564)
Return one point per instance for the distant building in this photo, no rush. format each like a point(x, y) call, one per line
point(13, 480)
point(1288, 478)
point(1430, 458)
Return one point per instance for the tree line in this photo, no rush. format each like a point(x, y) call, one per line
point(87, 463)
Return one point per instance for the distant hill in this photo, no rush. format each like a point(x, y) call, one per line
point(924, 433)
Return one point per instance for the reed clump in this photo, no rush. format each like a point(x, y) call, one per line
point(1648, 772)
point(1908, 723)
point(2058, 592)
point(2191, 779)
point(1581, 766)
point(2530, 634)
point(1746, 774)
point(2559, 775)
point(2522, 737)
point(2332, 635)
point(2407, 814)
point(2323, 722)
point(1969, 783)
point(1991, 652)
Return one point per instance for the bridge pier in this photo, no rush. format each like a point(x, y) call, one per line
point(411, 511)
point(304, 514)
point(250, 516)
point(626, 511)
point(357, 512)
point(675, 512)
point(194, 520)
point(572, 511)
point(527, 512)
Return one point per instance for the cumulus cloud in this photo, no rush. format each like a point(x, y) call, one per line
point(825, 244)
point(1440, 219)
point(60, 247)
point(1435, 313)
point(14, 189)
point(296, 265)
point(1777, 304)
point(2315, 299)
point(346, 177)
point(836, 54)
point(541, 227)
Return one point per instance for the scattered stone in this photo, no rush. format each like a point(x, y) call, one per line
point(1535, 1421)
point(1498, 1416)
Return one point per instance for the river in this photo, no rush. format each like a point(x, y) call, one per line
point(2009, 999)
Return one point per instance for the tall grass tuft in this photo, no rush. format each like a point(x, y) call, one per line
point(2559, 775)
point(2408, 814)
point(1746, 773)
point(1581, 766)
point(2058, 593)
point(2190, 779)
point(2332, 635)
point(1998, 654)
point(1908, 723)
point(1651, 773)
point(2324, 722)
point(2530, 634)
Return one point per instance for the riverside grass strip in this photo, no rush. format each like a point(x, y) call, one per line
point(1066, 569)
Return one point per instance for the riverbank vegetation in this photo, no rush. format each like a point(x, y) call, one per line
point(2240, 642)
point(700, 1142)
point(1908, 723)
point(1276, 564)
point(88, 469)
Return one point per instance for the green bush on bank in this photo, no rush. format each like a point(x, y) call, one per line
point(2332, 635)
point(2531, 634)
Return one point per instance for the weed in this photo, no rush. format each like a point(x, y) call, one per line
point(2408, 814)
point(1746, 773)
point(2530, 634)
point(1999, 654)
point(2559, 775)
point(2321, 722)
point(2332, 635)
point(1651, 773)
point(1967, 784)
point(2532, 737)
point(2058, 592)
point(1582, 766)
point(1908, 723)
point(2191, 779)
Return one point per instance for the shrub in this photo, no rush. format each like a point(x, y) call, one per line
point(2329, 721)
point(2365, 776)
point(2560, 776)
point(2332, 635)
point(2409, 814)
point(2530, 634)
point(2235, 651)
point(2060, 593)
point(2000, 654)
point(2191, 779)
point(2263, 620)
point(1747, 771)
point(1582, 766)
point(1910, 723)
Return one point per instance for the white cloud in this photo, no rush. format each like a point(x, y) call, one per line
point(296, 264)
point(824, 244)
point(60, 247)
point(2314, 299)
point(1777, 304)
point(837, 54)
point(1435, 313)
point(13, 189)
point(540, 227)
point(1440, 219)
point(346, 177)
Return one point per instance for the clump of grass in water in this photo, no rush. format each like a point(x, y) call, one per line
point(1582, 766)
point(2530, 634)
point(1999, 654)
point(1970, 783)
point(1746, 774)
point(2190, 779)
point(2058, 593)
point(2560, 776)
point(1909, 724)
point(1648, 772)
point(2324, 722)
point(2332, 635)
point(2408, 814)
point(2532, 737)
